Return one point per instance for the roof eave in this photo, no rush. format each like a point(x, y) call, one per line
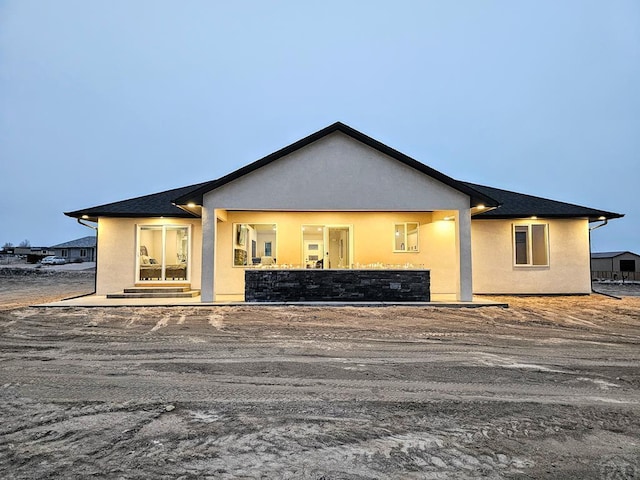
point(591, 217)
point(93, 216)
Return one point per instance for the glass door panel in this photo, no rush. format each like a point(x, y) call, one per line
point(163, 253)
point(313, 246)
point(176, 253)
point(150, 253)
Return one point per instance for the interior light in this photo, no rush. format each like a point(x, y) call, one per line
point(449, 218)
point(319, 229)
point(191, 204)
point(303, 229)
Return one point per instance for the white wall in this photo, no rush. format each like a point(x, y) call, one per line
point(116, 267)
point(493, 265)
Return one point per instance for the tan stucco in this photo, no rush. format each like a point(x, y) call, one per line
point(493, 259)
point(116, 267)
point(372, 243)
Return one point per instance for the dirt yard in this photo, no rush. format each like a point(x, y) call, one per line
point(548, 388)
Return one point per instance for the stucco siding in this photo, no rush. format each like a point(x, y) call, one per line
point(336, 173)
point(116, 266)
point(493, 259)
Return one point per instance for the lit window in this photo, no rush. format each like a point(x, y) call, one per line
point(405, 237)
point(531, 244)
point(254, 244)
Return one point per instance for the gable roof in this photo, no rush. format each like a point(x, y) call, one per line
point(153, 205)
point(519, 205)
point(84, 242)
point(611, 254)
point(510, 204)
point(476, 198)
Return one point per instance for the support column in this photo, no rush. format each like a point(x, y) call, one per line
point(463, 249)
point(209, 234)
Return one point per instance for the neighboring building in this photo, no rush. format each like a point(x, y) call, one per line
point(32, 254)
point(81, 249)
point(615, 265)
point(339, 200)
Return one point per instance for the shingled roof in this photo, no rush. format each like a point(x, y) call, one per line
point(84, 242)
point(611, 254)
point(519, 205)
point(153, 205)
point(509, 204)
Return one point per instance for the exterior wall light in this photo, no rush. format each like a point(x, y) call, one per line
point(533, 217)
point(602, 218)
point(85, 216)
point(480, 207)
point(191, 204)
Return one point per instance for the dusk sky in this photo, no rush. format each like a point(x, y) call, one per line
point(102, 101)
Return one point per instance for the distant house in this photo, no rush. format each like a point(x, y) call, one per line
point(32, 254)
point(615, 265)
point(336, 201)
point(80, 249)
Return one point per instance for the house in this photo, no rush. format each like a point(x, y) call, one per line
point(78, 250)
point(341, 203)
point(615, 265)
point(32, 254)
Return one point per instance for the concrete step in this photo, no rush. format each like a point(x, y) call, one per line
point(157, 289)
point(180, 294)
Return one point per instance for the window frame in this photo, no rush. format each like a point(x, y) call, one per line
point(406, 237)
point(163, 227)
point(529, 243)
point(239, 234)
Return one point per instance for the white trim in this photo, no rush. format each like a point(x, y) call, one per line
point(529, 226)
point(234, 243)
point(406, 238)
point(163, 227)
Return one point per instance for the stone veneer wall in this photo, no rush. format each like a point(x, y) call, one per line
point(270, 285)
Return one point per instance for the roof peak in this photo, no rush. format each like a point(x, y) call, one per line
point(476, 197)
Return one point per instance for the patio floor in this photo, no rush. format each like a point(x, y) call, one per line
point(102, 301)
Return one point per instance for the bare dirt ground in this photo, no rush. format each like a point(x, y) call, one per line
point(549, 388)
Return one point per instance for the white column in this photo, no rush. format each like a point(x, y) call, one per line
point(463, 250)
point(209, 234)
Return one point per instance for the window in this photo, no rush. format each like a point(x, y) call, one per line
point(254, 244)
point(64, 253)
point(163, 253)
point(531, 244)
point(83, 252)
point(405, 237)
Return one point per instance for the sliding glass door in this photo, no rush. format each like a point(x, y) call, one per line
point(163, 253)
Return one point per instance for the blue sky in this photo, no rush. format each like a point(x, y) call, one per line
point(102, 101)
